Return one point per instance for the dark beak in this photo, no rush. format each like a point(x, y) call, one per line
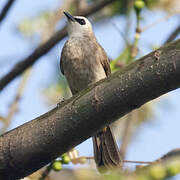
point(69, 16)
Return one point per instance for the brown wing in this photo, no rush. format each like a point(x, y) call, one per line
point(61, 65)
point(105, 62)
point(62, 57)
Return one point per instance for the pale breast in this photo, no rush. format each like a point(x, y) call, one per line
point(81, 63)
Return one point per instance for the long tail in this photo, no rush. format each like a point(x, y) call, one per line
point(106, 153)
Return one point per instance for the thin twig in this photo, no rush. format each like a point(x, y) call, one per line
point(125, 161)
point(126, 135)
point(138, 162)
point(173, 35)
point(121, 33)
point(6, 9)
point(13, 109)
point(165, 18)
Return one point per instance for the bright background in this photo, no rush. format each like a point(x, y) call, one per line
point(153, 139)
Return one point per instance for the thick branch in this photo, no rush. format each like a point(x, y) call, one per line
point(5, 10)
point(36, 143)
point(44, 48)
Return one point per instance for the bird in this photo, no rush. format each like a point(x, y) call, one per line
point(83, 62)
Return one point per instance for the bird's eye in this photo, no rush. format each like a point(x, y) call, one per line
point(80, 21)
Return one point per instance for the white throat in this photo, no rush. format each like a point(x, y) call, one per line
point(77, 30)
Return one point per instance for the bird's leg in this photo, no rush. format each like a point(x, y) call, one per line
point(66, 101)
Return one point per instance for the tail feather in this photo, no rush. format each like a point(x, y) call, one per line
point(112, 146)
point(97, 149)
point(106, 151)
point(106, 156)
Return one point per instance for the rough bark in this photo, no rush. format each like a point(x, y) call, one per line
point(36, 143)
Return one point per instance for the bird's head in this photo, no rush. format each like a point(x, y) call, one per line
point(78, 26)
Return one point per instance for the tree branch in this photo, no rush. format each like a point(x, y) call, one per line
point(173, 35)
point(44, 48)
point(36, 143)
point(5, 10)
